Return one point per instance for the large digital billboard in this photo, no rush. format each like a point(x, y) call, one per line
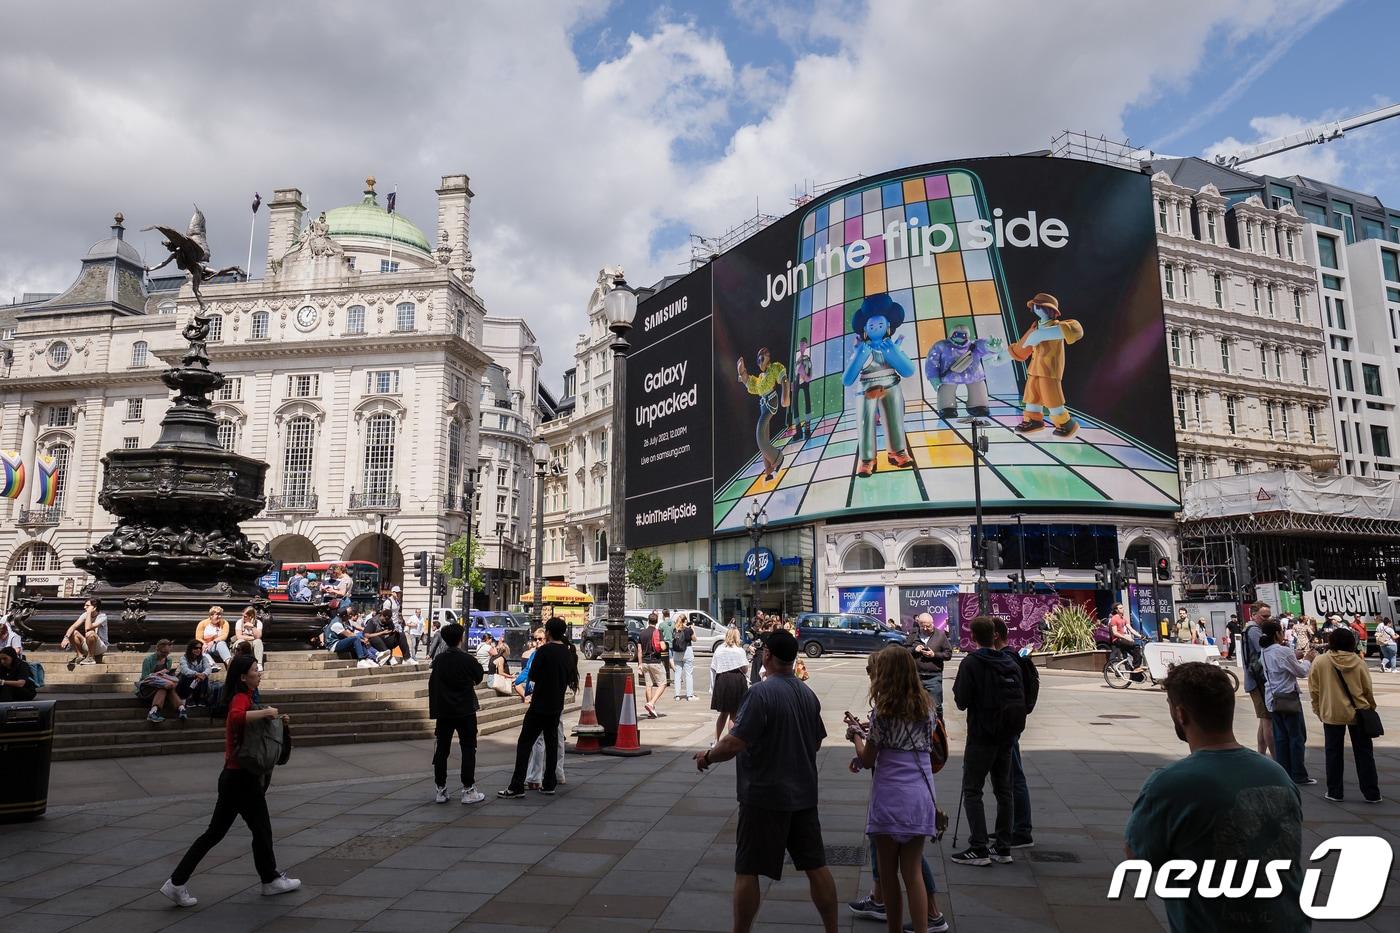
point(845, 347)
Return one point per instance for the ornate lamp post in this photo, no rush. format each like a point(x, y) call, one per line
point(500, 566)
point(621, 307)
point(541, 450)
point(756, 522)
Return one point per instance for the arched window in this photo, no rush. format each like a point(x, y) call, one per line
point(864, 556)
point(62, 455)
point(379, 458)
point(298, 457)
point(355, 319)
point(165, 307)
point(928, 555)
point(140, 352)
point(405, 315)
point(1143, 552)
point(600, 546)
point(228, 434)
point(216, 327)
point(37, 557)
point(261, 323)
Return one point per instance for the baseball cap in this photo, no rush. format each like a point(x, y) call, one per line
point(783, 645)
point(395, 589)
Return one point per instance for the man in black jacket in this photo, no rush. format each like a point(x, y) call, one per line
point(989, 688)
point(553, 671)
point(1021, 836)
point(931, 649)
point(453, 704)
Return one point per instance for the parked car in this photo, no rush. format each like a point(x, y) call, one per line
point(591, 640)
point(821, 632)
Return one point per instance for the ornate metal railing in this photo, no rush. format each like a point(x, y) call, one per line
point(45, 515)
point(374, 501)
point(296, 502)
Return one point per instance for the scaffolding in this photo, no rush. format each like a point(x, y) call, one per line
point(1074, 144)
point(704, 249)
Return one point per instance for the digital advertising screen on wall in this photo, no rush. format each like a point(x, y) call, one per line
point(830, 364)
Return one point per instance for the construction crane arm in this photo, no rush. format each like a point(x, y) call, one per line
point(1314, 135)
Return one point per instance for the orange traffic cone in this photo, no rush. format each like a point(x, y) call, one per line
point(588, 729)
point(629, 743)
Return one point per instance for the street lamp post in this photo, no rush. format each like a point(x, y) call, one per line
point(620, 305)
point(468, 502)
point(756, 522)
point(500, 587)
point(979, 560)
point(383, 570)
point(541, 462)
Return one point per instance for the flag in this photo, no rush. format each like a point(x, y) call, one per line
point(11, 474)
point(392, 200)
point(257, 201)
point(48, 480)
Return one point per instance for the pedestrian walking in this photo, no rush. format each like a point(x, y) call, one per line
point(775, 738)
point(1282, 668)
point(758, 632)
point(902, 813)
point(1232, 631)
point(683, 658)
point(730, 680)
point(1223, 801)
point(413, 621)
point(989, 688)
point(931, 649)
point(1022, 834)
point(552, 672)
point(242, 794)
point(1252, 660)
point(1340, 687)
point(453, 705)
point(667, 627)
point(651, 672)
point(1385, 640)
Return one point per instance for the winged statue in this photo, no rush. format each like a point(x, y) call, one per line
point(190, 253)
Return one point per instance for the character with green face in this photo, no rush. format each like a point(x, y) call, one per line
point(879, 365)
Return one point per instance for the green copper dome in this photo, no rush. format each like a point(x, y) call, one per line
point(368, 219)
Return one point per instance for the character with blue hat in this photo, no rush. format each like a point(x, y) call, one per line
point(879, 365)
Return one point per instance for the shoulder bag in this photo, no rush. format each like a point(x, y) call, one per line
point(1368, 719)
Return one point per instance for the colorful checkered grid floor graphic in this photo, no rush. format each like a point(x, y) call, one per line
point(936, 290)
point(1098, 466)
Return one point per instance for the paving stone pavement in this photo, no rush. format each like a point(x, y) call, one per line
point(628, 844)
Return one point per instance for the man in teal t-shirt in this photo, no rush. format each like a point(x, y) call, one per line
point(1223, 801)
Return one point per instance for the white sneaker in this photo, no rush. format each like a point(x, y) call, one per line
point(472, 795)
point(179, 894)
point(365, 662)
point(440, 796)
point(282, 885)
point(413, 661)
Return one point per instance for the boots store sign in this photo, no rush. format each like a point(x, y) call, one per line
point(1348, 598)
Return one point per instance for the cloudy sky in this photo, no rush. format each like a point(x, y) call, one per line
point(603, 133)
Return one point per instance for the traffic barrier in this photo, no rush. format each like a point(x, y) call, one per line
point(588, 730)
point(629, 744)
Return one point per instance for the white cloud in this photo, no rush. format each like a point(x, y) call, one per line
point(573, 168)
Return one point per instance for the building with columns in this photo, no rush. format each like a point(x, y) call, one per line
point(355, 367)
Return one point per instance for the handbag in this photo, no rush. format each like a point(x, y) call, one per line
point(1368, 719)
point(938, 751)
point(1288, 703)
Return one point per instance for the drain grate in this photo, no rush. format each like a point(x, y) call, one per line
point(1118, 716)
point(852, 856)
point(1092, 723)
point(1053, 855)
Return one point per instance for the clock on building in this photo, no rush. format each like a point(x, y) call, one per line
point(307, 316)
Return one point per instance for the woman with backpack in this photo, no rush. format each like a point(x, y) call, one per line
point(902, 815)
point(241, 794)
point(683, 658)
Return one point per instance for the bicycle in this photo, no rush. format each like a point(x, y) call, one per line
point(1118, 672)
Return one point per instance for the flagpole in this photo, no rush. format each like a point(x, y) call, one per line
point(393, 226)
point(252, 228)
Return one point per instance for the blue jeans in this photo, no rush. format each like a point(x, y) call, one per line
point(353, 644)
point(1388, 657)
point(875, 870)
point(1020, 796)
point(934, 685)
point(1290, 738)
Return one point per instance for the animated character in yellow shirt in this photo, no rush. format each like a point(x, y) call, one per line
point(1044, 345)
point(771, 381)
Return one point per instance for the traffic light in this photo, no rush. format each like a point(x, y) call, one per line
point(420, 567)
point(1015, 580)
point(1101, 577)
point(1287, 578)
point(459, 568)
point(1305, 573)
point(1244, 570)
point(1163, 569)
point(991, 554)
point(441, 586)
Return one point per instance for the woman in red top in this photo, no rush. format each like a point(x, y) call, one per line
point(241, 793)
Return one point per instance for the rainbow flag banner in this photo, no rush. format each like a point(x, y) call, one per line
point(48, 480)
point(11, 474)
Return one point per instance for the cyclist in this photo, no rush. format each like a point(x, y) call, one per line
point(1122, 636)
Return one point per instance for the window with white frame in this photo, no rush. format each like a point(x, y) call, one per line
point(1288, 243)
point(500, 505)
point(1305, 359)
point(1240, 466)
point(1186, 274)
point(1269, 417)
point(1181, 408)
point(61, 416)
point(1232, 419)
point(500, 476)
point(59, 353)
point(1254, 288)
point(1176, 215)
point(1161, 221)
point(382, 382)
point(135, 407)
point(1272, 309)
point(262, 324)
point(454, 457)
point(1284, 419)
point(1188, 470)
point(298, 458)
point(1218, 284)
point(165, 307)
point(1196, 408)
point(379, 456)
point(62, 455)
point(228, 433)
point(1176, 347)
point(1312, 424)
point(1169, 280)
point(231, 390)
point(140, 353)
point(1194, 346)
point(216, 328)
point(303, 385)
point(8, 332)
point(1297, 305)
point(1225, 361)
point(405, 316)
point(355, 319)
point(1210, 227)
point(387, 266)
point(1249, 234)
point(131, 443)
point(1278, 362)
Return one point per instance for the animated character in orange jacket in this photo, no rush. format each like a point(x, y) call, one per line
point(1044, 345)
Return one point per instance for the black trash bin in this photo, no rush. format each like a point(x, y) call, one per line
point(26, 748)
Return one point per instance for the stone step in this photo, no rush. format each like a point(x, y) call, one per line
point(289, 678)
point(128, 709)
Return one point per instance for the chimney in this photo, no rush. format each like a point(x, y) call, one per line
point(283, 222)
point(454, 217)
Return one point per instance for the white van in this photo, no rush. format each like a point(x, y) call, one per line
point(709, 634)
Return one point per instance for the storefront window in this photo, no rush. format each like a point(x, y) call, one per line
point(921, 556)
point(864, 557)
point(788, 591)
point(1068, 547)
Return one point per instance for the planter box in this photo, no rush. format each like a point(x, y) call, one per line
point(1092, 661)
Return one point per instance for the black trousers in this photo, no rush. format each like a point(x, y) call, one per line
point(980, 761)
point(241, 793)
point(1362, 750)
point(191, 688)
point(537, 723)
point(465, 728)
point(17, 694)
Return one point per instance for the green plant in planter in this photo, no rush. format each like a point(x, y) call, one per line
point(1069, 627)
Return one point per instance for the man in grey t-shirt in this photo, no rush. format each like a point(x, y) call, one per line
point(776, 736)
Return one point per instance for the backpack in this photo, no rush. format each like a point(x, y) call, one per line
point(1255, 664)
point(657, 645)
point(1004, 711)
point(266, 743)
point(678, 641)
point(38, 671)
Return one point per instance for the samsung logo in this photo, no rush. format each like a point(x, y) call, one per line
point(657, 318)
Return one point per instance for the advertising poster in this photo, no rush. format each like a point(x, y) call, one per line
point(1147, 607)
point(865, 600)
point(941, 602)
point(848, 341)
point(1023, 614)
